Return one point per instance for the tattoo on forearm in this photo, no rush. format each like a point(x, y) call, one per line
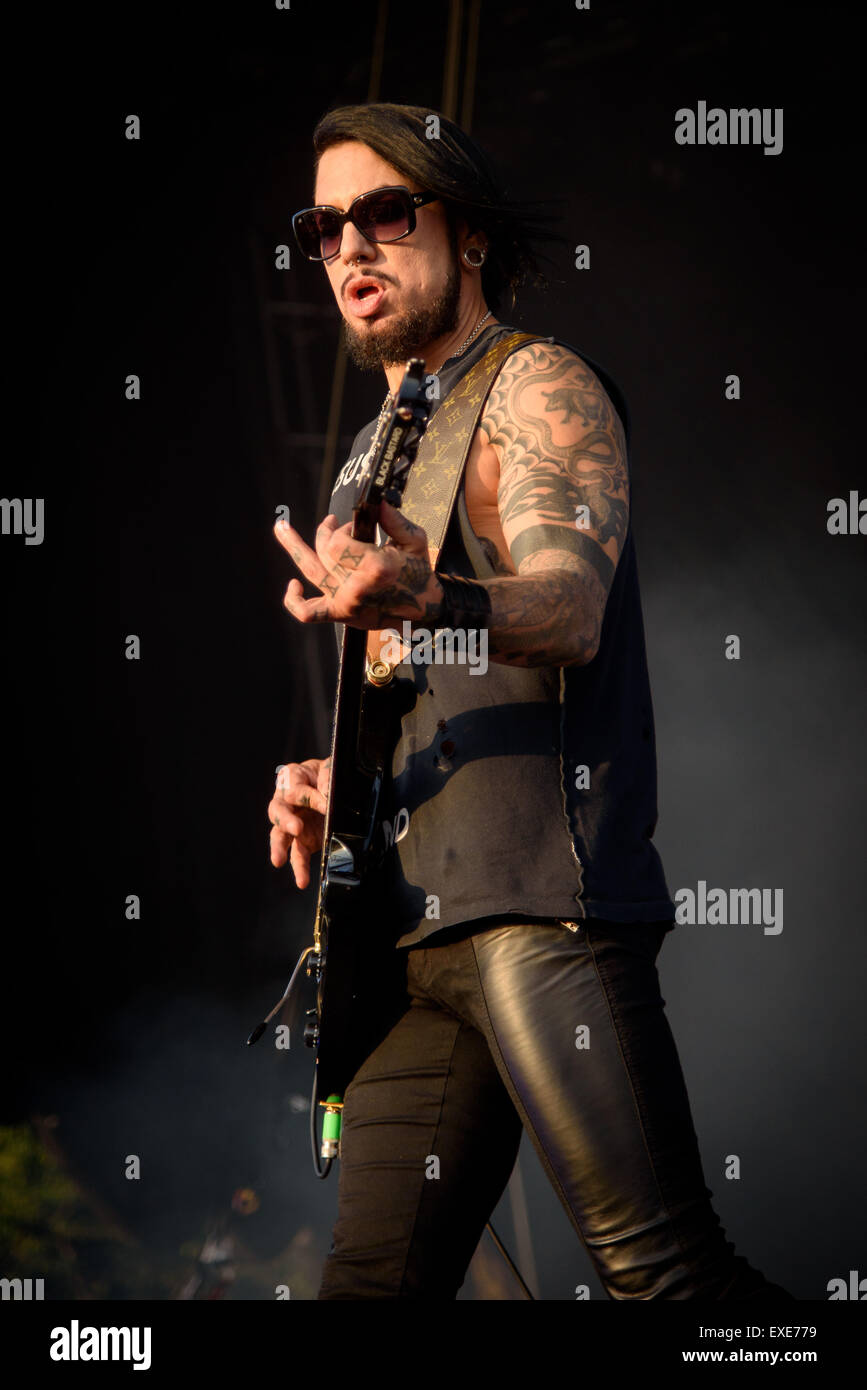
point(551, 618)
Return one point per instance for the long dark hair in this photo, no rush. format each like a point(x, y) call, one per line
point(453, 167)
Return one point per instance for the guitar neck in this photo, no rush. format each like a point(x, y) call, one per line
point(346, 723)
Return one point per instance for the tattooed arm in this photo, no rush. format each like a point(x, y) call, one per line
point(563, 502)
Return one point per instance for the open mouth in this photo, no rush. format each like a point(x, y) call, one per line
point(364, 296)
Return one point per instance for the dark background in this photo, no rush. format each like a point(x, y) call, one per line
point(153, 777)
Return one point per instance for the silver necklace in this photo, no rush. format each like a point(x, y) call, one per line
point(466, 344)
point(463, 347)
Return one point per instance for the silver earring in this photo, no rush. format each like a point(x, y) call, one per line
point(479, 252)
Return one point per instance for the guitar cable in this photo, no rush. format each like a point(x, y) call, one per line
point(260, 1027)
point(314, 1142)
point(326, 1169)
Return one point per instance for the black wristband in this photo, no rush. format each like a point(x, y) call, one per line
point(466, 604)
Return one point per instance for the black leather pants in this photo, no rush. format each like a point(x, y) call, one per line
point(565, 1034)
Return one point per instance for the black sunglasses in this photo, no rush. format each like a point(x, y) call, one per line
point(383, 214)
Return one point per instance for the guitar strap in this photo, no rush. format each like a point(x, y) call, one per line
point(435, 476)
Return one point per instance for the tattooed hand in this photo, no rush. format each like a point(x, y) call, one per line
point(363, 585)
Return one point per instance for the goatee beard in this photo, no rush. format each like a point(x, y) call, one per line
point(408, 334)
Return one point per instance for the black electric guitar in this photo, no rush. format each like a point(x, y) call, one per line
point(351, 955)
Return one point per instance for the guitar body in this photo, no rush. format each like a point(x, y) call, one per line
point(354, 960)
point(360, 966)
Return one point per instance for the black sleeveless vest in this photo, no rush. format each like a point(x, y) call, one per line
point(491, 816)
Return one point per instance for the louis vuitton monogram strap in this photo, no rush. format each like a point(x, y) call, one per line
point(436, 473)
point(434, 480)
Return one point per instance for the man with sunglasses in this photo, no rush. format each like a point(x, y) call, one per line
point(531, 996)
